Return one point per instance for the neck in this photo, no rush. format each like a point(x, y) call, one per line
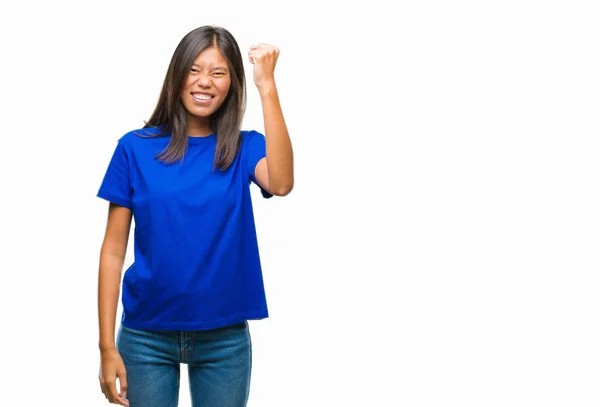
point(198, 127)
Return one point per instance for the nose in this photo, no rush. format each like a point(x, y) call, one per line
point(203, 81)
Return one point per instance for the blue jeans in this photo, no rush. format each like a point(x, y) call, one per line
point(219, 365)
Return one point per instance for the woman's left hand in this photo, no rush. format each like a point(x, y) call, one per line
point(264, 59)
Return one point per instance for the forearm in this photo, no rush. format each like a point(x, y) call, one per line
point(279, 146)
point(109, 280)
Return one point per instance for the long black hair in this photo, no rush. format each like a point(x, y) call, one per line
point(170, 115)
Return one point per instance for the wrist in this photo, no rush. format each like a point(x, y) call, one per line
point(266, 87)
point(104, 348)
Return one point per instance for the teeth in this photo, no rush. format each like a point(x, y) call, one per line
point(201, 97)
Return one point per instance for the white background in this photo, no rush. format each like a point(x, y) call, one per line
point(440, 247)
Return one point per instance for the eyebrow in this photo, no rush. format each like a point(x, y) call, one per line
point(214, 68)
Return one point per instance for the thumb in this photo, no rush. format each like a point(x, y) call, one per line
point(123, 385)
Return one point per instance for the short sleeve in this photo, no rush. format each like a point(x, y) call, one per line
point(116, 185)
point(256, 149)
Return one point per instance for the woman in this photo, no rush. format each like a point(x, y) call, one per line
point(196, 279)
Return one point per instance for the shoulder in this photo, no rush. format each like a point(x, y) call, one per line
point(251, 135)
point(134, 137)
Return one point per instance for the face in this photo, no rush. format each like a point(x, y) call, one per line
point(206, 87)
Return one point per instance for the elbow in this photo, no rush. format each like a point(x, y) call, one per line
point(283, 190)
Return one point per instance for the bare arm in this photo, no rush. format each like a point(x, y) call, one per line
point(112, 258)
point(275, 172)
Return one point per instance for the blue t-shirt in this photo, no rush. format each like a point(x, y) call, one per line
point(196, 260)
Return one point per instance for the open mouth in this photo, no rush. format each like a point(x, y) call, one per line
point(202, 97)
